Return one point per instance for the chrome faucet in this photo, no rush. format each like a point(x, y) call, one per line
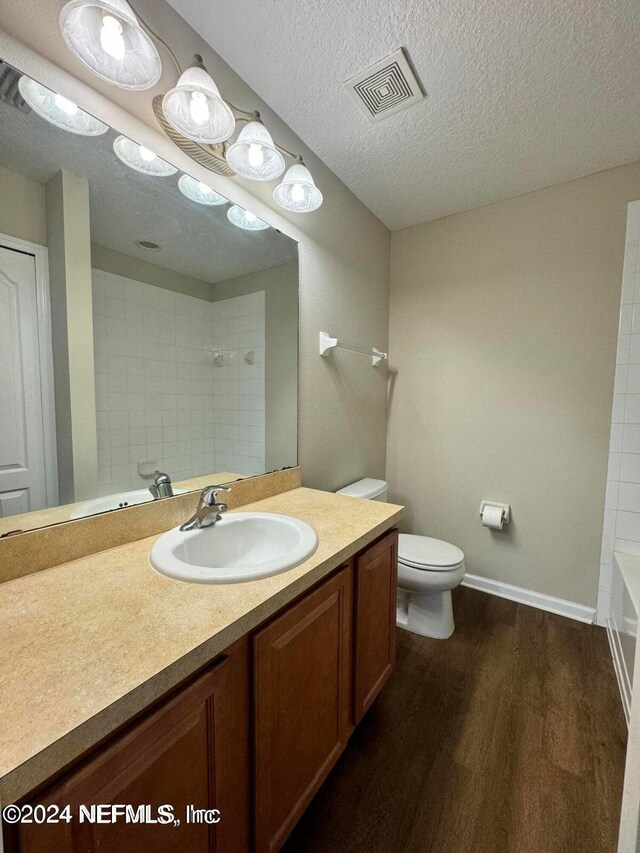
point(209, 510)
point(161, 486)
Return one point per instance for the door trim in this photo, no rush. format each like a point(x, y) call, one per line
point(45, 358)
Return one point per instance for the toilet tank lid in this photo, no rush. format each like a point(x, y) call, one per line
point(367, 488)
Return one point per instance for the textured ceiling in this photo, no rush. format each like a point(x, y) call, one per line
point(127, 206)
point(521, 95)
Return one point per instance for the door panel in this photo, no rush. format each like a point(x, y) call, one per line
point(22, 468)
point(14, 502)
point(375, 621)
point(302, 704)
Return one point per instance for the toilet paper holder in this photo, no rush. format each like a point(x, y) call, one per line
point(506, 509)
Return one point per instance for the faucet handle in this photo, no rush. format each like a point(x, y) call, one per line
point(208, 512)
point(209, 496)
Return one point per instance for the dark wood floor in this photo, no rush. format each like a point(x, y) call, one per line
point(507, 737)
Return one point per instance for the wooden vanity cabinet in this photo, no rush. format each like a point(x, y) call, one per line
point(375, 590)
point(318, 667)
point(313, 671)
point(302, 705)
point(193, 749)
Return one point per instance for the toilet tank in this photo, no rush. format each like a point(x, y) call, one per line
point(371, 490)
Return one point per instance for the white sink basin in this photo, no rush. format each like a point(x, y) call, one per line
point(116, 501)
point(243, 546)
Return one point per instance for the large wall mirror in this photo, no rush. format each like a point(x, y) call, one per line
point(146, 324)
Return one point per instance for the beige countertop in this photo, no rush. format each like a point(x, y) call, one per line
point(86, 645)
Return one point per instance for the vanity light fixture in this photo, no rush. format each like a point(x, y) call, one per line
point(117, 45)
point(194, 107)
point(58, 110)
point(108, 38)
point(298, 192)
point(245, 219)
point(254, 156)
point(199, 192)
point(141, 159)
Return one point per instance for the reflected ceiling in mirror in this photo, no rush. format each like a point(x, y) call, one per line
point(170, 343)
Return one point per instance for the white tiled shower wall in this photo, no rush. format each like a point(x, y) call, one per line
point(621, 530)
point(160, 396)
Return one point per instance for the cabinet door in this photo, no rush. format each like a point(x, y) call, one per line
point(376, 573)
point(302, 705)
point(183, 753)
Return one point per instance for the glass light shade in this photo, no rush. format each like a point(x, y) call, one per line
point(253, 155)
point(141, 159)
point(106, 36)
point(59, 110)
point(195, 109)
point(245, 219)
point(199, 192)
point(297, 192)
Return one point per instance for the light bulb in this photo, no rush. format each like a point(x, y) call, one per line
point(297, 192)
point(199, 108)
point(111, 37)
point(107, 37)
point(199, 192)
point(66, 105)
point(195, 109)
point(245, 219)
point(256, 155)
point(141, 159)
point(58, 110)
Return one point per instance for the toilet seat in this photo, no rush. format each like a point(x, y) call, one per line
point(428, 554)
point(428, 569)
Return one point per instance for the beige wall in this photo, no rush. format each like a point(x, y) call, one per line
point(118, 263)
point(503, 335)
point(67, 206)
point(344, 249)
point(22, 212)
point(280, 285)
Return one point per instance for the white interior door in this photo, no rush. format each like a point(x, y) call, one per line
point(22, 435)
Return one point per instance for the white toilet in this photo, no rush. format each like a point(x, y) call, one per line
point(428, 569)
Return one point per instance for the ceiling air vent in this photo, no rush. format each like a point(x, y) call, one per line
point(386, 87)
point(9, 92)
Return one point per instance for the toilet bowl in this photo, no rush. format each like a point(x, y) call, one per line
point(428, 569)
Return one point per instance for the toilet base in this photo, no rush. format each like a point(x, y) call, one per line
point(428, 615)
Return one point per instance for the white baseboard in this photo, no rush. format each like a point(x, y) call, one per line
point(534, 599)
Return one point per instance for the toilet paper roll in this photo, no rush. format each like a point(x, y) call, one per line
point(492, 517)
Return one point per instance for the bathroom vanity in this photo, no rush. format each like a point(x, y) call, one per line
point(150, 691)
